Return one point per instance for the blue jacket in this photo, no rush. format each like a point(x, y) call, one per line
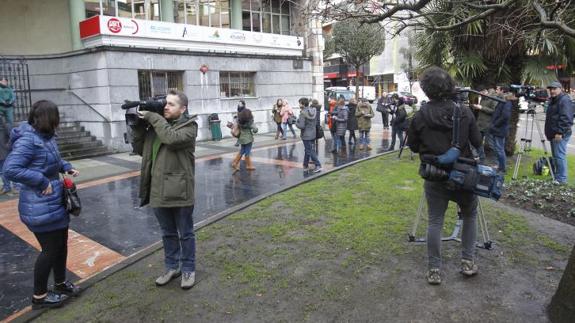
point(500, 120)
point(559, 117)
point(34, 162)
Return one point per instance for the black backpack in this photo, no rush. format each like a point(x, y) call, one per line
point(541, 163)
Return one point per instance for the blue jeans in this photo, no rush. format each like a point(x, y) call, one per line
point(8, 113)
point(364, 137)
point(178, 237)
point(339, 142)
point(559, 151)
point(5, 182)
point(246, 149)
point(285, 126)
point(499, 147)
point(310, 153)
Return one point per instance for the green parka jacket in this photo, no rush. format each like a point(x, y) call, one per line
point(169, 180)
point(364, 113)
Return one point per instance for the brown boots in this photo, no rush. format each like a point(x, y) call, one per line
point(237, 160)
point(249, 165)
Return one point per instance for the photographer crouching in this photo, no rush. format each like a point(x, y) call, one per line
point(167, 144)
point(442, 126)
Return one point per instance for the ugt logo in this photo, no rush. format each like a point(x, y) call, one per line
point(114, 25)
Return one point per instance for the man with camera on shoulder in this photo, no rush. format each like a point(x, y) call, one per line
point(432, 133)
point(167, 144)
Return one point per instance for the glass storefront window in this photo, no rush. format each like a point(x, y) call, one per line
point(267, 23)
point(97, 7)
point(276, 24)
point(285, 25)
point(125, 8)
point(256, 22)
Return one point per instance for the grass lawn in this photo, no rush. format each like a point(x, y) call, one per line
point(336, 249)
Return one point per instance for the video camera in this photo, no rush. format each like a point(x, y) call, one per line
point(529, 92)
point(155, 104)
point(462, 173)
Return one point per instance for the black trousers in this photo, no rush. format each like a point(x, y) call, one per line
point(52, 258)
point(385, 119)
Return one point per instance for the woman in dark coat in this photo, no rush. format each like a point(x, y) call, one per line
point(352, 120)
point(340, 117)
point(35, 163)
point(399, 123)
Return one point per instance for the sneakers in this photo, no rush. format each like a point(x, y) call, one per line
point(468, 268)
point(4, 191)
point(317, 169)
point(188, 280)
point(51, 300)
point(167, 277)
point(67, 288)
point(433, 276)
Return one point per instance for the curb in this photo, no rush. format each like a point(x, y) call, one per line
point(92, 280)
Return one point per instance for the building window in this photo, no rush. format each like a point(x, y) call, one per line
point(155, 83)
point(237, 84)
point(268, 16)
point(210, 13)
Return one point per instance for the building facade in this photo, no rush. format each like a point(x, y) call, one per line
point(89, 56)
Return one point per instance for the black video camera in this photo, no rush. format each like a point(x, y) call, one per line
point(529, 92)
point(155, 104)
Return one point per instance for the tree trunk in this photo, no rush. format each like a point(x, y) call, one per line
point(511, 137)
point(357, 82)
point(562, 306)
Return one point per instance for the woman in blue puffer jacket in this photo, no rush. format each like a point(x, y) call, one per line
point(35, 163)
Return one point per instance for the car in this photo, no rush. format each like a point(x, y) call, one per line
point(408, 98)
point(336, 94)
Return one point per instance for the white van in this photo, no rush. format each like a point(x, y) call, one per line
point(367, 92)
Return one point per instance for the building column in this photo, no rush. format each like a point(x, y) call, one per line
point(236, 14)
point(167, 10)
point(77, 14)
point(314, 49)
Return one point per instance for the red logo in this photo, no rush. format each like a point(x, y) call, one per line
point(114, 25)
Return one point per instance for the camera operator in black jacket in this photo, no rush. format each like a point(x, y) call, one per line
point(430, 133)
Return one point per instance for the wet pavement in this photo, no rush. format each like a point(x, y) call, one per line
point(112, 226)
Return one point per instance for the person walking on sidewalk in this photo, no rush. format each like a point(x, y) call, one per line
point(431, 133)
point(35, 163)
point(364, 114)
point(352, 121)
point(7, 99)
point(246, 139)
point(340, 117)
point(499, 127)
point(307, 122)
point(399, 123)
point(167, 144)
point(287, 113)
point(4, 149)
point(558, 123)
point(276, 112)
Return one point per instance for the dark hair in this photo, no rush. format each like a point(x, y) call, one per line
point(279, 102)
point(400, 101)
point(181, 97)
point(245, 117)
point(437, 84)
point(503, 87)
point(304, 102)
point(44, 117)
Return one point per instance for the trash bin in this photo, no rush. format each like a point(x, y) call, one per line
point(215, 128)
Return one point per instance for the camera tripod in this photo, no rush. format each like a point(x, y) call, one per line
point(487, 243)
point(527, 140)
point(403, 144)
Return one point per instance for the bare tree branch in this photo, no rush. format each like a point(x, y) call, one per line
point(556, 24)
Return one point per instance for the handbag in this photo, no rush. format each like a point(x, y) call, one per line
point(318, 132)
point(70, 197)
point(236, 130)
point(72, 201)
point(291, 119)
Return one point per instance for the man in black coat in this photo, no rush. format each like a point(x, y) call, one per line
point(558, 123)
point(430, 133)
point(499, 127)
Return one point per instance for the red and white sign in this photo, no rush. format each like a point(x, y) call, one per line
point(114, 25)
point(104, 30)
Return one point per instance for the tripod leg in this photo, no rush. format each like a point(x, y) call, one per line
point(417, 218)
point(402, 146)
point(517, 164)
point(487, 244)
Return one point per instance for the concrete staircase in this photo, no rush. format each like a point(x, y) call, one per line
point(75, 142)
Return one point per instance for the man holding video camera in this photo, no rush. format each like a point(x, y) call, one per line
point(431, 133)
point(558, 123)
point(167, 144)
